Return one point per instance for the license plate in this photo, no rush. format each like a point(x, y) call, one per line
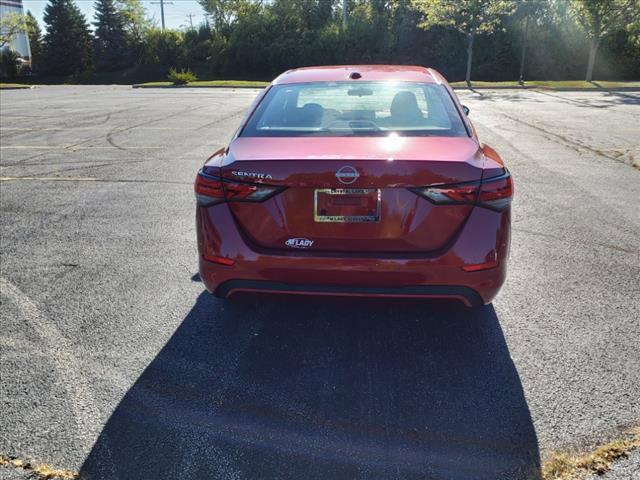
point(347, 205)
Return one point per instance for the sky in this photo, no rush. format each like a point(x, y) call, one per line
point(175, 13)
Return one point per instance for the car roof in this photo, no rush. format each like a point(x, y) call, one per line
point(375, 73)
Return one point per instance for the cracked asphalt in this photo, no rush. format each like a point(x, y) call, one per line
point(116, 364)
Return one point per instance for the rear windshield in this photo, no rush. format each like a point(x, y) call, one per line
point(356, 109)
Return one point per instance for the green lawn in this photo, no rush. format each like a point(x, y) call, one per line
point(13, 85)
point(553, 84)
point(207, 83)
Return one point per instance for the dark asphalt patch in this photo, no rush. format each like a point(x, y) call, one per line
point(310, 391)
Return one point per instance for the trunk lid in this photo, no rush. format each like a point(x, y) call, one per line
point(332, 181)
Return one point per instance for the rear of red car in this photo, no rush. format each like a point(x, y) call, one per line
point(359, 186)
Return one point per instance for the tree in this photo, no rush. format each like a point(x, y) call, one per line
point(8, 64)
point(470, 17)
point(134, 14)
point(35, 41)
point(224, 13)
point(67, 41)
point(164, 47)
point(110, 42)
point(11, 25)
point(601, 17)
point(526, 11)
point(136, 25)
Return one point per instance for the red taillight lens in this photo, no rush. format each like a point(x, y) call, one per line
point(211, 190)
point(219, 260)
point(480, 266)
point(208, 189)
point(495, 193)
point(450, 194)
point(239, 191)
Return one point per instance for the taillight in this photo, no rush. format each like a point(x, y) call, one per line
point(450, 194)
point(210, 190)
point(494, 193)
point(219, 260)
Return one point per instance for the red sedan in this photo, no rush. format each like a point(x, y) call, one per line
point(357, 181)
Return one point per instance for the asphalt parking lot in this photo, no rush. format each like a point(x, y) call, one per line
point(118, 365)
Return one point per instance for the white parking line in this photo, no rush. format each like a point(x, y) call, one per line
point(68, 368)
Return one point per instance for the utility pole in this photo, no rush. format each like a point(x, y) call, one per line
point(190, 17)
point(162, 2)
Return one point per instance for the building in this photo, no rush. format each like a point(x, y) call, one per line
point(20, 44)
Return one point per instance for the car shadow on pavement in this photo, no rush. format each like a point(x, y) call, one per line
point(275, 389)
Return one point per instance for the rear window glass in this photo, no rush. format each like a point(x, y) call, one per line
point(356, 109)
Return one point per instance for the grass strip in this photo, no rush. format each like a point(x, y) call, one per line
point(566, 466)
point(207, 83)
point(13, 86)
point(41, 471)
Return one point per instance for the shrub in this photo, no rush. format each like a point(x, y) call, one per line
point(8, 64)
point(182, 77)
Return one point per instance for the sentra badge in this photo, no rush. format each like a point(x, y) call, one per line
point(258, 175)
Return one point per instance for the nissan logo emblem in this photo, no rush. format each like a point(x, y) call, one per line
point(347, 175)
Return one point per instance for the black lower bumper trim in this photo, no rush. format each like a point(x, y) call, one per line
point(471, 297)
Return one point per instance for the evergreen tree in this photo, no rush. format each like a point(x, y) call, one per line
point(35, 41)
point(68, 40)
point(110, 43)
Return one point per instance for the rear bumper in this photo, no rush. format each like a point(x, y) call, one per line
point(465, 295)
point(485, 237)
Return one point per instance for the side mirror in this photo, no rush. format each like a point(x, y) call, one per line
point(465, 109)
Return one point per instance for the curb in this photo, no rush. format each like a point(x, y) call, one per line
point(247, 87)
point(26, 87)
point(199, 86)
point(554, 89)
point(616, 89)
